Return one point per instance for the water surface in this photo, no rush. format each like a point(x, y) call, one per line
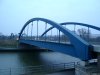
point(13, 60)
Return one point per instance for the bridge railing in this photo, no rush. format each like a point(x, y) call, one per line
point(54, 38)
point(92, 39)
point(36, 70)
point(63, 39)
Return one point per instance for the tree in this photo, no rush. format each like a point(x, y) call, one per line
point(1, 36)
point(12, 36)
point(84, 33)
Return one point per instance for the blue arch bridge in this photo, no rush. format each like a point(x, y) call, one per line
point(71, 38)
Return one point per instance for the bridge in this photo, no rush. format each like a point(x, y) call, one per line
point(44, 33)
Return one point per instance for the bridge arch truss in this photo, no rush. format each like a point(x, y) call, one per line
point(81, 48)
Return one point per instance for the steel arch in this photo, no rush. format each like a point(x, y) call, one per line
point(73, 23)
point(81, 46)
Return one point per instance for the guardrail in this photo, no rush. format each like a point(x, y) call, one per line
point(36, 70)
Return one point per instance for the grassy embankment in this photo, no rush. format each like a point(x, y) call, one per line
point(8, 43)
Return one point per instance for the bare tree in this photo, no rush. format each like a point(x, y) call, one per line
point(1, 34)
point(84, 33)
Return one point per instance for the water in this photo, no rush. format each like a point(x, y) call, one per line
point(22, 59)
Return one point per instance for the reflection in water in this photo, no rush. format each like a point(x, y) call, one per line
point(22, 59)
point(16, 60)
point(30, 58)
point(56, 58)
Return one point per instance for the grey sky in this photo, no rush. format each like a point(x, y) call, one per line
point(14, 13)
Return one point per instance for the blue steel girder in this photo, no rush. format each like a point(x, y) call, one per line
point(59, 47)
point(81, 47)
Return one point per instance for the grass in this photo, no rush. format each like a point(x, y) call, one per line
point(8, 43)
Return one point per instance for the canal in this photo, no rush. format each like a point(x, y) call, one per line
point(17, 59)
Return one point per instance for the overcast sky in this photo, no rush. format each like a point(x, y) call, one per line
point(14, 13)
